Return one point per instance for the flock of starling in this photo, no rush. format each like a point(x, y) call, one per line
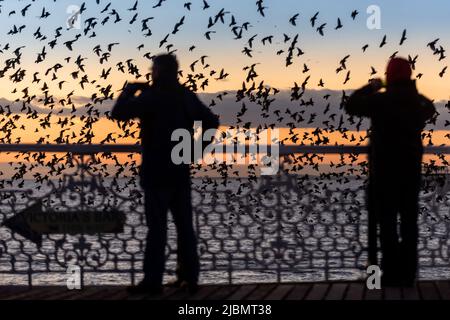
point(40, 85)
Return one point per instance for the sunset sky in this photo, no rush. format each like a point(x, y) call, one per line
point(424, 22)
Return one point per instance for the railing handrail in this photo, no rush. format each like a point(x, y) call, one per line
point(135, 148)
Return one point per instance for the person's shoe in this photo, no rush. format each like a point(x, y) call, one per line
point(145, 288)
point(175, 283)
point(192, 287)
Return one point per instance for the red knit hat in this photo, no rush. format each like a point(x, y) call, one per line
point(398, 69)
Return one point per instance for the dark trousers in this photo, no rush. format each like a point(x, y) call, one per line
point(395, 197)
point(372, 225)
point(177, 199)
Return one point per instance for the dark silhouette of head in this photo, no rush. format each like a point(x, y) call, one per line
point(165, 70)
point(398, 70)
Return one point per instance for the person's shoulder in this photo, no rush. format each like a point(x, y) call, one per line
point(149, 89)
point(380, 96)
point(186, 90)
point(425, 100)
point(149, 94)
point(155, 92)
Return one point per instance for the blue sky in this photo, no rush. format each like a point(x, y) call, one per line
point(420, 17)
point(424, 21)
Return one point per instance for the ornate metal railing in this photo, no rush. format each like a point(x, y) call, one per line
point(275, 228)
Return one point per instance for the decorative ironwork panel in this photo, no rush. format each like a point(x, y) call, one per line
point(280, 228)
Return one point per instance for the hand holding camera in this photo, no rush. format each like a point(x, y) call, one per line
point(376, 84)
point(136, 86)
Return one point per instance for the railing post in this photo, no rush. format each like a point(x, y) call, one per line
point(81, 277)
point(30, 272)
point(133, 271)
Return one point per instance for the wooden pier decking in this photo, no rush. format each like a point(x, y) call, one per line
point(425, 290)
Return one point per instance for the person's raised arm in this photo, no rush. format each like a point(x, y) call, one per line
point(129, 105)
point(359, 103)
point(200, 112)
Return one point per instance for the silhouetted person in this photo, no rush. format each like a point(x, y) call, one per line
point(163, 107)
point(398, 117)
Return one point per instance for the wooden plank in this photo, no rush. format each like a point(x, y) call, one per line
point(261, 292)
point(411, 293)
point(280, 292)
point(428, 291)
point(142, 296)
point(392, 293)
point(223, 293)
point(337, 291)
point(355, 291)
point(120, 294)
point(299, 292)
point(5, 292)
point(318, 291)
point(64, 294)
point(374, 294)
point(106, 292)
point(167, 294)
point(84, 294)
point(38, 293)
point(48, 293)
point(97, 294)
point(150, 296)
point(203, 292)
point(242, 292)
point(30, 293)
point(179, 294)
point(444, 289)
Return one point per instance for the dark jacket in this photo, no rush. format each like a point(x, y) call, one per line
point(398, 118)
point(162, 110)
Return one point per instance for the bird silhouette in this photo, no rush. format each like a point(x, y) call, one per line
point(339, 24)
point(321, 28)
point(64, 81)
point(314, 19)
point(261, 7)
point(293, 19)
point(383, 41)
point(413, 61)
point(403, 39)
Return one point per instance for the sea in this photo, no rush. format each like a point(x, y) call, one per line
point(235, 222)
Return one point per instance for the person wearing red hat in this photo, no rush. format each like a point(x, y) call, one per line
point(398, 116)
point(398, 70)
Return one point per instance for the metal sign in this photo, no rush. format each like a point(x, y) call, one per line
point(33, 222)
